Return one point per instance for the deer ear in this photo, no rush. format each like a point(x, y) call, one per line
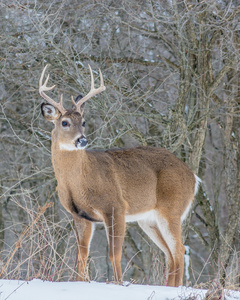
point(50, 112)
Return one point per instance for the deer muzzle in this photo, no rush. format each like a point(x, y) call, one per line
point(81, 142)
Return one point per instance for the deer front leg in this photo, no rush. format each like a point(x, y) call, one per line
point(84, 232)
point(115, 229)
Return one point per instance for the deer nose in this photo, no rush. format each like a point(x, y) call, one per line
point(81, 142)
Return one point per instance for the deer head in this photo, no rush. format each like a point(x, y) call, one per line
point(69, 124)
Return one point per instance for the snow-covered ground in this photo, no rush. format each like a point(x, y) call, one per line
point(43, 290)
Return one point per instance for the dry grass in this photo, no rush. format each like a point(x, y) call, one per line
point(43, 248)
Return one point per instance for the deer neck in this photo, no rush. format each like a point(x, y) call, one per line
point(67, 162)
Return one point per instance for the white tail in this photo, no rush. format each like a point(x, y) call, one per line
point(143, 184)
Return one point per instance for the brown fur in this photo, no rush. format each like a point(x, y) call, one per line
point(145, 184)
point(107, 185)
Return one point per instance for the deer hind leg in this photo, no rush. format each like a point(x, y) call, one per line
point(84, 232)
point(169, 241)
point(170, 230)
point(115, 230)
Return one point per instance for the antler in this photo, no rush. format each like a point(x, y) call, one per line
point(92, 92)
point(43, 88)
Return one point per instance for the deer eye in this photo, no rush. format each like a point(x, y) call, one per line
point(65, 123)
point(83, 124)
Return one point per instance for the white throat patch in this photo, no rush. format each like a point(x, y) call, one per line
point(70, 147)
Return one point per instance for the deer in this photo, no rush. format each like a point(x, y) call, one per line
point(147, 185)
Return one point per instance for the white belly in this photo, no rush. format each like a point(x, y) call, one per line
point(141, 216)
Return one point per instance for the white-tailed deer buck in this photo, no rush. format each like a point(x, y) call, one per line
point(144, 184)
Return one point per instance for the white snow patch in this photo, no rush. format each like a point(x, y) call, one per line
point(38, 290)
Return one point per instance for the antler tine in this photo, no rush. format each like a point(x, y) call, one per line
point(93, 90)
point(43, 88)
point(101, 78)
point(74, 103)
point(92, 78)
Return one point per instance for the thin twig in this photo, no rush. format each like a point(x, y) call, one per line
point(26, 232)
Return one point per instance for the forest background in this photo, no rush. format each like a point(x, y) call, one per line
point(171, 69)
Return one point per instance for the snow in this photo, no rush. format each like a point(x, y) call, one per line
point(43, 290)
